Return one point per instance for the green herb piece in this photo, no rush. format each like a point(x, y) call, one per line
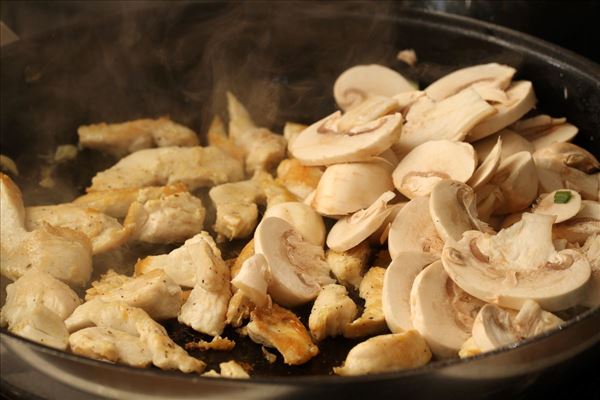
point(562, 197)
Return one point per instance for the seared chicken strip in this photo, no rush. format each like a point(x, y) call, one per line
point(182, 263)
point(299, 179)
point(264, 149)
point(63, 253)
point(194, 167)
point(349, 266)
point(206, 308)
point(232, 369)
point(128, 137)
point(154, 292)
point(280, 328)
point(217, 136)
point(135, 321)
point(239, 309)
point(331, 312)
point(111, 345)
point(372, 320)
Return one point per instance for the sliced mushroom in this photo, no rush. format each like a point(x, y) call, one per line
point(302, 217)
point(453, 210)
point(484, 75)
point(572, 156)
point(386, 353)
point(512, 143)
point(591, 249)
point(495, 327)
point(298, 267)
point(356, 84)
point(516, 264)
point(397, 283)
point(291, 130)
point(349, 231)
point(431, 162)
point(488, 167)
point(413, 230)
point(449, 119)
point(521, 99)
point(517, 181)
point(253, 279)
point(441, 311)
point(563, 204)
point(585, 223)
point(347, 188)
point(407, 99)
point(543, 130)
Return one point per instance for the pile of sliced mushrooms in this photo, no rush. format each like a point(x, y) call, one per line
point(464, 221)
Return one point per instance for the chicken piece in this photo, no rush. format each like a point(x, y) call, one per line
point(349, 266)
point(128, 137)
point(154, 292)
point(239, 309)
point(275, 192)
point(232, 369)
point(299, 179)
point(217, 343)
point(280, 328)
point(194, 167)
point(171, 218)
point(386, 353)
point(135, 321)
point(264, 149)
point(116, 202)
point(180, 264)
point(36, 306)
point(105, 232)
point(331, 312)
point(111, 345)
point(206, 308)
point(372, 320)
point(217, 136)
point(63, 253)
point(469, 348)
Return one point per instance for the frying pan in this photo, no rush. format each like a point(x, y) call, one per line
point(281, 59)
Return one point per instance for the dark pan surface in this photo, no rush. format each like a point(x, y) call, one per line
point(179, 61)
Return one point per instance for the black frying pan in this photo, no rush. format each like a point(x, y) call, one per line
point(179, 61)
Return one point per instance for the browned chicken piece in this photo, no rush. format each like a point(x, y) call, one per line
point(195, 167)
point(332, 311)
point(63, 253)
point(246, 252)
point(299, 179)
point(372, 320)
point(275, 192)
point(127, 137)
point(135, 321)
point(239, 309)
point(229, 369)
point(349, 266)
point(217, 343)
point(217, 136)
point(280, 328)
point(107, 283)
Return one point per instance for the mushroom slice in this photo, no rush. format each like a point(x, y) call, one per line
point(372, 320)
point(332, 311)
point(127, 137)
point(194, 167)
point(563, 204)
point(484, 75)
point(349, 266)
point(591, 249)
point(543, 130)
point(407, 99)
point(280, 328)
point(488, 167)
point(495, 327)
point(512, 143)
point(349, 231)
point(356, 84)
point(302, 217)
point(430, 162)
point(441, 311)
point(521, 99)
point(297, 178)
point(413, 230)
point(585, 224)
point(453, 210)
point(516, 264)
point(449, 119)
point(397, 283)
point(572, 156)
point(323, 143)
point(517, 181)
point(386, 353)
point(298, 267)
point(337, 195)
point(291, 130)
point(253, 280)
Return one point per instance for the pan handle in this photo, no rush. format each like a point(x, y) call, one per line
point(7, 36)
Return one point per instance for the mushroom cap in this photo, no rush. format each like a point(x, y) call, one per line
point(517, 180)
point(488, 167)
point(347, 188)
point(517, 264)
point(489, 75)
point(512, 143)
point(421, 169)
point(397, 283)
point(413, 230)
point(302, 217)
point(562, 211)
point(355, 84)
point(320, 144)
point(350, 231)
